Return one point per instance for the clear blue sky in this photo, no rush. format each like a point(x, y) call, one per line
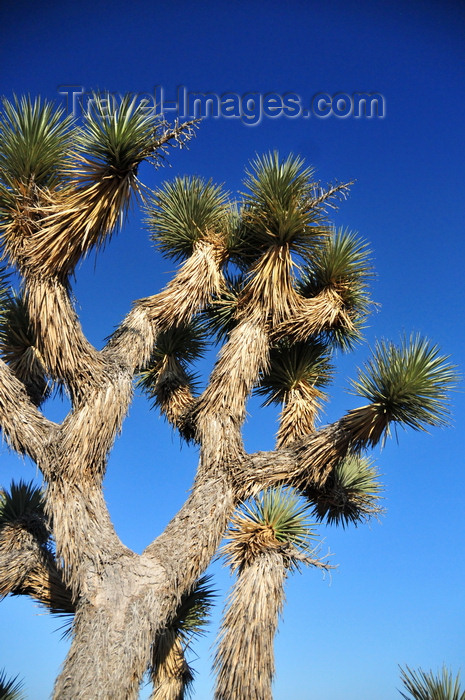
point(397, 595)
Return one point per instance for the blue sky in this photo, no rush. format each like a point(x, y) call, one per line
point(397, 595)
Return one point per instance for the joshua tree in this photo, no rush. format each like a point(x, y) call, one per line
point(269, 273)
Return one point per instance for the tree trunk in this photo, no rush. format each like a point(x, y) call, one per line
point(133, 596)
point(248, 631)
point(171, 674)
point(113, 633)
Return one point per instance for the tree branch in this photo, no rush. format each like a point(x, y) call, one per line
point(306, 461)
point(27, 568)
point(25, 428)
point(65, 351)
point(186, 294)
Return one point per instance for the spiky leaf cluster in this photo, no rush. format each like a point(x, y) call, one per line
point(5, 289)
point(350, 493)
point(15, 330)
point(193, 612)
point(11, 688)
point(185, 211)
point(49, 231)
point(220, 315)
point(342, 262)
point(35, 142)
point(185, 343)
point(172, 676)
point(425, 685)
point(407, 384)
point(179, 346)
point(283, 205)
point(18, 349)
point(294, 366)
point(274, 519)
point(24, 505)
point(117, 135)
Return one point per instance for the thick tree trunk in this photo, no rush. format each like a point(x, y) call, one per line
point(132, 597)
point(113, 632)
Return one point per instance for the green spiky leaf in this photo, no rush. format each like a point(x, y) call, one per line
point(283, 205)
point(15, 328)
point(5, 288)
point(274, 518)
point(220, 316)
point(35, 142)
point(193, 612)
point(292, 365)
point(350, 494)
point(11, 688)
point(185, 211)
point(281, 510)
point(183, 344)
point(421, 685)
point(341, 259)
point(186, 343)
point(22, 501)
point(18, 347)
point(117, 134)
point(341, 262)
point(166, 379)
point(408, 384)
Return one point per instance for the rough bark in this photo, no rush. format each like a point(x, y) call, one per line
point(123, 600)
point(172, 675)
point(113, 631)
point(24, 426)
point(130, 599)
point(248, 631)
point(29, 568)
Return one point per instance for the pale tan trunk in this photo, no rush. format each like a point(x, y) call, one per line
point(113, 632)
point(245, 657)
point(129, 598)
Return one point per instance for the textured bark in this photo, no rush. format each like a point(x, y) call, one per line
point(172, 674)
point(113, 631)
point(240, 362)
point(26, 429)
point(248, 631)
point(309, 460)
point(190, 540)
point(311, 316)
point(130, 599)
point(28, 568)
point(173, 393)
point(67, 354)
point(298, 414)
point(122, 600)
